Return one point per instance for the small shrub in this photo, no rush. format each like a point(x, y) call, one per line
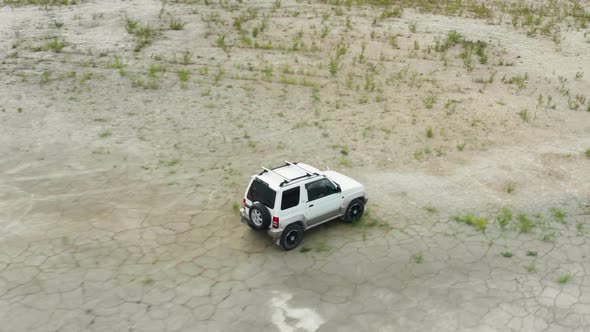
point(235, 206)
point(334, 65)
point(510, 187)
point(220, 42)
point(564, 278)
point(531, 268)
point(176, 24)
point(345, 162)
point(429, 133)
point(154, 70)
point(171, 162)
point(506, 254)
point(429, 101)
point(131, 24)
point(186, 57)
point(183, 75)
point(453, 38)
point(55, 44)
point(147, 280)
point(461, 146)
point(144, 36)
point(558, 214)
point(389, 12)
point(587, 153)
point(531, 253)
point(524, 115)
point(418, 258)
point(431, 209)
point(518, 80)
point(480, 51)
point(105, 134)
point(504, 218)
point(479, 223)
point(525, 225)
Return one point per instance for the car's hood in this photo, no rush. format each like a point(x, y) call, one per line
point(347, 184)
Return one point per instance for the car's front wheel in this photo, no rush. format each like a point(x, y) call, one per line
point(291, 236)
point(354, 211)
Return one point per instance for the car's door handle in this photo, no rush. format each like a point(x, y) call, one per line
point(311, 205)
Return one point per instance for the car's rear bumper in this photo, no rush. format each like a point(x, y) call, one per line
point(275, 233)
point(243, 215)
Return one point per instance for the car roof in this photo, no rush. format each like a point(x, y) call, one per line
point(280, 177)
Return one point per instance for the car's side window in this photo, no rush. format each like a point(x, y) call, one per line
point(319, 189)
point(290, 198)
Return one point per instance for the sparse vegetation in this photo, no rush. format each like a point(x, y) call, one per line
point(531, 268)
point(564, 278)
point(105, 134)
point(176, 23)
point(55, 44)
point(169, 163)
point(418, 258)
point(524, 115)
point(525, 224)
point(558, 215)
point(506, 254)
point(518, 80)
point(504, 218)
point(429, 101)
point(510, 187)
point(147, 281)
point(479, 223)
point(144, 34)
point(431, 209)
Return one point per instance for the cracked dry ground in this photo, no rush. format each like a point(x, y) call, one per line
point(107, 249)
point(116, 202)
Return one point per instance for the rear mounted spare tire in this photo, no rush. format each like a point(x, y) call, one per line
point(259, 216)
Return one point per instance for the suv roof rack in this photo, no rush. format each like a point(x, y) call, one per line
point(305, 170)
point(287, 180)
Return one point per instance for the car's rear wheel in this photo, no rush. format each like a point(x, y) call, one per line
point(291, 236)
point(259, 216)
point(355, 210)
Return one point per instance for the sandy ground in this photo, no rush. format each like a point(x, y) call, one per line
point(118, 182)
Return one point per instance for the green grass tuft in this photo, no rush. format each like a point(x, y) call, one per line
point(525, 225)
point(564, 278)
point(505, 217)
point(147, 281)
point(479, 223)
point(558, 214)
point(418, 258)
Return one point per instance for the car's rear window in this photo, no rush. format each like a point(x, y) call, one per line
point(260, 192)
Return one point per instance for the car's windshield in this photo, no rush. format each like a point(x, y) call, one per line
point(260, 192)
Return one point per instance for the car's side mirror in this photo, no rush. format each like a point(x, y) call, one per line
point(338, 189)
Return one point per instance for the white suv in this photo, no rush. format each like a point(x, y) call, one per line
point(295, 197)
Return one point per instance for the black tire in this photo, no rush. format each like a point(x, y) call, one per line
point(354, 211)
point(291, 236)
point(259, 216)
